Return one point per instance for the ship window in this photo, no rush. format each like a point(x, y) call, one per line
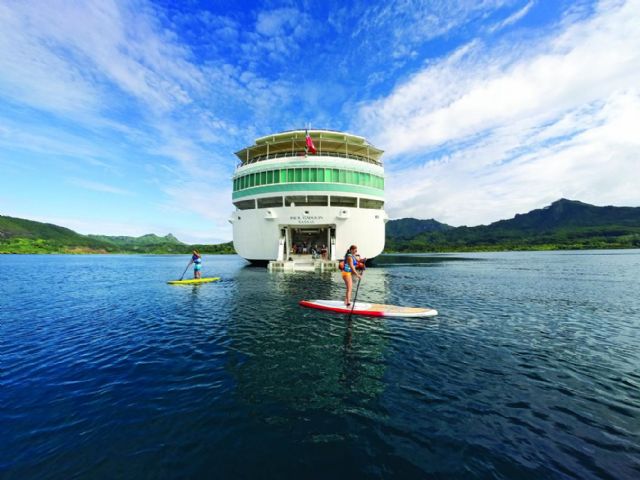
point(283, 176)
point(317, 200)
point(321, 174)
point(344, 201)
point(297, 200)
point(313, 176)
point(290, 175)
point(368, 203)
point(342, 174)
point(305, 174)
point(335, 176)
point(298, 174)
point(263, 178)
point(270, 176)
point(252, 179)
point(269, 202)
point(235, 184)
point(245, 204)
point(276, 176)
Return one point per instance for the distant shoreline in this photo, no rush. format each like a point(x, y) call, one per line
point(391, 252)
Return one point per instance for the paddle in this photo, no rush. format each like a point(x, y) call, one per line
point(356, 295)
point(185, 271)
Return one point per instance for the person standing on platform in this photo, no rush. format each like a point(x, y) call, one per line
point(196, 259)
point(350, 264)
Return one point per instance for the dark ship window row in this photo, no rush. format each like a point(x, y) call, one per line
point(310, 201)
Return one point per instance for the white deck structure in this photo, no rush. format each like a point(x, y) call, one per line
point(289, 201)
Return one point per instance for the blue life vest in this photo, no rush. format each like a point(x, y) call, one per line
point(347, 267)
point(196, 259)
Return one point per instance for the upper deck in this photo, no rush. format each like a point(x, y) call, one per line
point(327, 142)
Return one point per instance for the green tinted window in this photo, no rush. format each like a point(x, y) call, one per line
point(313, 176)
point(342, 176)
point(290, 175)
point(298, 174)
point(322, 175)
point(283, 176)
point(270, 176)
point(263, 178)
point(368, 203)
point(305, 174)
point(276, 176)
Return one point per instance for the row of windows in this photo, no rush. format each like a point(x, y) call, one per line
point(294, 175)
point(309, 200)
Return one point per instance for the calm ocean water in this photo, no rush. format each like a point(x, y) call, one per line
point(531, 370)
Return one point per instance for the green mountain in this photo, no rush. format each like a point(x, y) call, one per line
point(149, 239)
point(410, 227)
point(18, 235)
point(149, 243)
point(565, 224)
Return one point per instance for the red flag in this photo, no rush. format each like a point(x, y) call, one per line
point(310, 145)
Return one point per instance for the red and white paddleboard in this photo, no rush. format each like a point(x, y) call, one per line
point(370, 309)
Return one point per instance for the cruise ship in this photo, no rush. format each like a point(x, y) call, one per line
point(308, 193)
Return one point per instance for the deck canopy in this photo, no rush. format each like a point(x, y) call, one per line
point(327, 142)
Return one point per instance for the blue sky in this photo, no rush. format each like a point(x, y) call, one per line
point(121, 117)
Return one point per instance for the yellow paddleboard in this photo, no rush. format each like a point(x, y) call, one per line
point(193, 281)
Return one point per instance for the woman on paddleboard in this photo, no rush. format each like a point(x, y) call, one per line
point(350, 263)
point(196, 259)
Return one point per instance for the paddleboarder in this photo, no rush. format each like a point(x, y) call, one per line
point(350, 264)
point(196, 259)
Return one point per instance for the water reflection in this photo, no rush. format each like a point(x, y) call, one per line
point(431, 259)
point(305, 359)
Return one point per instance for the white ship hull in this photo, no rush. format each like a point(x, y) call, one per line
point(263, 235)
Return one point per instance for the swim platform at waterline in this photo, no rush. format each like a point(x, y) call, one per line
point(529, 370)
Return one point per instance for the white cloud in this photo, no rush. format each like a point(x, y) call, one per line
point(98, 186)
point(504, 130)
point(511, 19)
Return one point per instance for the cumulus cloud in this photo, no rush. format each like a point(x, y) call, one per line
point(486, 131)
